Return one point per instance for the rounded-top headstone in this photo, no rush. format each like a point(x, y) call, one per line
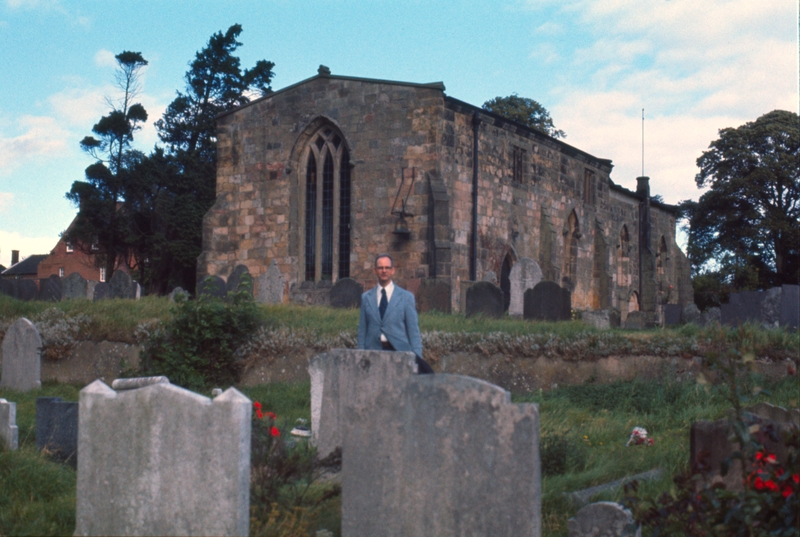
point(270, 285)
point(636, 320)
point(120, 285)
point(485, 298)
point(102, 291)
point(213, 286)
point(547, 301)
point(346, 293)
point(237, 278)
point(73, 286)
point(22, 357)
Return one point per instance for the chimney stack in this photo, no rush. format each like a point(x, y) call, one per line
point(14, 257)
point(643, 186)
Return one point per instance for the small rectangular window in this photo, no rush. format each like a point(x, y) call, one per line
point(61, 272)
point(517, 164)
point(70, 249)
point(102, 274)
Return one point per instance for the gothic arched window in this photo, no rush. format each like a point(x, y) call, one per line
point(326, 234)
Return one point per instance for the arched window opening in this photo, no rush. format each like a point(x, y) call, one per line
point(633, 303)
point(505, 281)
point(572, 234)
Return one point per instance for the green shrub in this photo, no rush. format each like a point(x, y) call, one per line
point(196, 348)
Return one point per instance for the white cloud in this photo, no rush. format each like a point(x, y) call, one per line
point(42, 137)
point(5, 200)
point(26, 245)
point(105, 58)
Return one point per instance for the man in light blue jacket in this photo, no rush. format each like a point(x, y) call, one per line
point(389, 316)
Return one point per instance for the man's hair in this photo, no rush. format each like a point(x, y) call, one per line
point(379, 256)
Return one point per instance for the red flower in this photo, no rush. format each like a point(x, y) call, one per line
point(259, 414)
point(650, 442)
point(257, 405)
point(759, 455)
point(274, 431)
point(271, 415)
point(796, 478)
point(758, 483)
point(770, 484)
point(787, 491)
point(771, 458)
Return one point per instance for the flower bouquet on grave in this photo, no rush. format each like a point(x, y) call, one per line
point(639, 438)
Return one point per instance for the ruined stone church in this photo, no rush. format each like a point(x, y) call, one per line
point(316, 179)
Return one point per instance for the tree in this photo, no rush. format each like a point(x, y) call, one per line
point(747, 225)
point(100, 227)
point(525, 112)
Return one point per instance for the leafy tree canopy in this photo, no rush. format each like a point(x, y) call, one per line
point(747, 225)
point(525, 112)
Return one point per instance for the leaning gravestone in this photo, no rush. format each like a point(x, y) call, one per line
point(9, 433)
point(434, 294)
point(50, 289)
point(343, 377)
point(212, 286)
point(180, 464)
point(27, 290)
point(73, 286)
point(22, 357)
point(121, 285)
point(237, 277)
point(603, 519)
point(102, 291)
point(346, 293)
point(485, 298)
point(270, 286)
point(790, 307)
point(57, 428)
point(525, 274)
point(636, 320)
point(443, 455)
point(548, 301)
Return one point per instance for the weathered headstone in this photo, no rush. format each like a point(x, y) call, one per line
point(161, 460)
point(73, 286)
point(547, 301)
point(121, 285)
point(490, 277)
point(236, 278)
point(711, 316)
point(270, 285)
point(9, 432)
point(603, 519)
point(525, 274)
point(442, 455)
point(742, 307)
point(50, 289)
point(178, 291)
point(672, 314)
point(91, 285)
point(484, 298)
point(434, 294)
point(601, 319)
point(212, 286)
point(346, 293)
point(26, 290)
point(57, 428)
point(636, 320)
point(771, 308)
point(22, 357)
point(343, 377)
point(690, 314)
point(8, 288)
point(790, 307)
point(137, 291)
point(102, 291)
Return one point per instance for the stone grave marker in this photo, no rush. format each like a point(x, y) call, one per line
point(790, 306)
point(490, 277)
point(672, 314)
point(771, 308)
point(548, 301)
point(9, 432)
point(73, 286)
point(710, 316)
point(636, 320)
point(178, 291)
point(8, 288)
point(342, 377)
point(525, 274)
point(484, 298)
point(691, 314)
point(50, 289)
point(443, 455)
point(237, 277)
point(161, 460)
point(137, 291)
point(212, 286)
point(270, 285)
point(22, 357)
point(90, 287)
point(434, 294)
point(26, 290)
point(102, 291)
point(603, 519)
point(602, 319)
point(346, 293)
point(57, 428)
point(120, 285)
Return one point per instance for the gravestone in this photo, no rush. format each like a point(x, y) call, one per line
point(442, 455)
point(672, 314)
point(212, 286)
point(790, 307)
point(90, 287)
point(120, 285)
point(137, 291)
point(601, 319)
point(50, 289)
point(26, 290)
point(22, 357)
point(178, 291)
point(270, 286)
point(485, 298)
point(603, 519)
point(236, 278)
point(346, 293)
point(73, 286)
point(547, 301)
point(8, 288)
point(771, 308)
point(161, 460)
point(711, 316)
point(691, 314)
point(57, 428)
point(102, 291)
point(343, 377)
point(434, 294)
point(9, 432)
point(742, 307)
point(525, 274)
point(490, 277)
point(636, 320)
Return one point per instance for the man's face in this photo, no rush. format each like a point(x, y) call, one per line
point(384, 271)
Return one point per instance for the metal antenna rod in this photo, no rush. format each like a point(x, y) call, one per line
point(642, 142)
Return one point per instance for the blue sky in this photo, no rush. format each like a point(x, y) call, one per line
point(694, 66)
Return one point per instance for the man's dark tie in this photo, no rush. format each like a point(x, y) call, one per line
point(384, 302)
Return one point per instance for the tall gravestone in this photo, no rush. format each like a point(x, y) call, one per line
point(161, 460)
point(121, 285)
point(343, 377)
point(525, 274)
point(270, 285)
point(442, 455)
point(790, 307)
point(50, 289)
point(102, 291)
point(22, 357)
point(73, 286)
point(548, 301)
point(346, 293)
point(9, 432)
point(484, 298)
point(57, 428)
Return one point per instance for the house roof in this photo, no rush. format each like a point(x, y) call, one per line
point(29, 265)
